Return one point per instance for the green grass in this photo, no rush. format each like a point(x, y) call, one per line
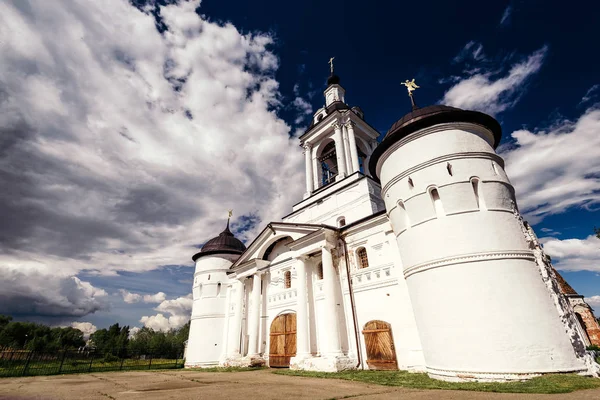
point(554, 383)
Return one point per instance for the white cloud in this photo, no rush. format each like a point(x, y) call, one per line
point(549, 231)
point(155, 298)
point(179, 309)
point(303, 108)
point(133, 331)
point(574, 254)
point(121, 147)
point(86, 327)
point(590, 95)
point(506, 15)
point(558, 168)
point(593, 301)
point(129, 297)
point(482, 91)
point(472, 50)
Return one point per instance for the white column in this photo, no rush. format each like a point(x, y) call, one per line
point(315, 166)
point(235, 331)
point(331, 309)
point(302, 333)
point(347, 149)
point(352, 144)
point(254, 316)
point(340, 151)
point(309, 169)
point(226, 323)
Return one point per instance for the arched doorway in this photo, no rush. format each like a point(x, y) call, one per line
point(379, 342)
point(282, 345)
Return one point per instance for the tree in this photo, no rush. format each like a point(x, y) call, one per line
point(597, 232)
point(112, 340)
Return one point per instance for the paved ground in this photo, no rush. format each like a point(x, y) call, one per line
point(189, 384)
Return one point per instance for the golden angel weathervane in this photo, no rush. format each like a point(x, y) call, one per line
point(410, 87)
point(230, 212)
point(331, 64)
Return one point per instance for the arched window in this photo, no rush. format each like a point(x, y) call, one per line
point(327, 160)
point(287, 279)
point(437, 202)
point(478, 197)
point(449, 168)
point(410, 183)
point(218, 289)
point(363, 261)
point(320, 271)
point(341, 222)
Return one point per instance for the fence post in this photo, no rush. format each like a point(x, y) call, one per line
point(62, 361)
point(29, 356)
point(150, 363)
point(91, 361)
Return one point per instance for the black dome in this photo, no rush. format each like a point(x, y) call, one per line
point(333, 80)
point(424, 117)
point(225, 243)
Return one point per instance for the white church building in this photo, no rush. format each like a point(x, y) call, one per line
point(406, 254)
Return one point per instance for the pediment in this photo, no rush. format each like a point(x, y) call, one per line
point(273, 232)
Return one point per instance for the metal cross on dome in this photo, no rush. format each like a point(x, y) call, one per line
point(331, 64)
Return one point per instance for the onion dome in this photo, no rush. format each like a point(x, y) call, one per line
point(333, 80)
point(425, 117)
point(225, 243)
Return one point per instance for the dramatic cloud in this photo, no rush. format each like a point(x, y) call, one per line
point(472, 50)
point(155, 298)
point(179, 309)
point(49, 296)
point(86, 327)
point(557, 168)
point(505, 20)
point(129, 297)
point(303, 109)
point(590, 95)
point(574, 254)
point(490, 93)
point(121, 147)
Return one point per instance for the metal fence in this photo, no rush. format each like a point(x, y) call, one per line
point(27, 363)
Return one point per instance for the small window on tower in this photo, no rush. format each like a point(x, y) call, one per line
point(287, 279)
point(410, 183)
point(361, 254)
point(320, 271)
point(219, 289)
point(437, 202)
point(495, 168)
point(449, 168)
point(341, 222)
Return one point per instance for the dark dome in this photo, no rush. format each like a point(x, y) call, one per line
point(424, 117)
point(333, 80)
point(225, 243)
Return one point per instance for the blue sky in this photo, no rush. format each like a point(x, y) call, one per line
point(141, 124)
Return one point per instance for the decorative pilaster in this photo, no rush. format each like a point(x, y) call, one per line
point(352, 144)
point(333, 346)
point(226, 324)
point(347, 149)
point(340, 151)
point(302, 332)
point(309, 169)
point(235, 331)
point(254, 316)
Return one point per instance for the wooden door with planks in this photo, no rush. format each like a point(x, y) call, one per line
point(282, 345)
point(379, 342)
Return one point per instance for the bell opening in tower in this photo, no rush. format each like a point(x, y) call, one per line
point(328, 168)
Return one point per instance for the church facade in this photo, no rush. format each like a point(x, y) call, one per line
point(406, 254)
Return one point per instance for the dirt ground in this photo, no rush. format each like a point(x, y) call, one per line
point(190, 384)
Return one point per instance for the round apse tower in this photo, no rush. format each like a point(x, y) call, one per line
point(482, 309)
point(205, 341)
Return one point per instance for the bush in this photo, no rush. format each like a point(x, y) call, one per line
point(108, 358)
point(593, 348)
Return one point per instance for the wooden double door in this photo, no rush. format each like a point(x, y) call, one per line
point(282, 345)
point(379, 342)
